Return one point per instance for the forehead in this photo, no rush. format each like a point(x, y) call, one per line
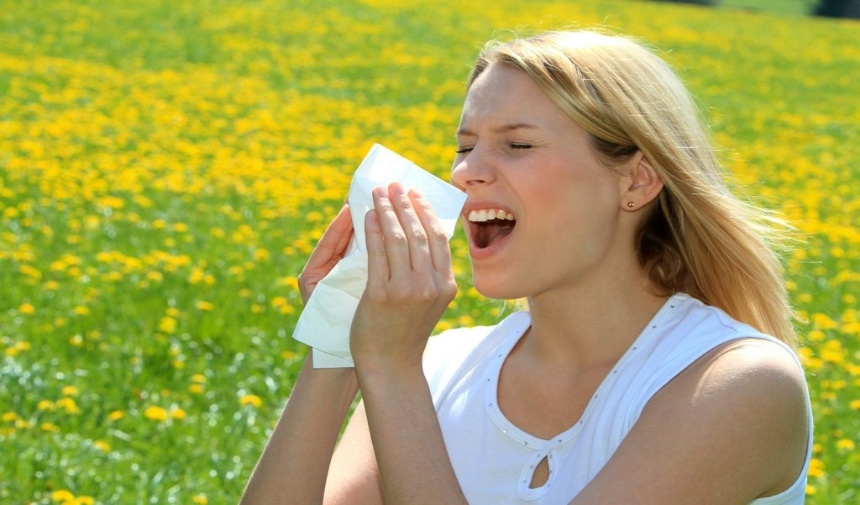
point(505, 93)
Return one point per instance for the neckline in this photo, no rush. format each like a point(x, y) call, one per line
point(501, 353)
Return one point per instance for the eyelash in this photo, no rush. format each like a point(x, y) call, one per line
point(512, 146)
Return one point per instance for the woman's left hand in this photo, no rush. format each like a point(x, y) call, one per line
point(410, 280)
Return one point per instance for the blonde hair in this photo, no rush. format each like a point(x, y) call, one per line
point(699, 239)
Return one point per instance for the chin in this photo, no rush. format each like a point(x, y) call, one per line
point(496, 287)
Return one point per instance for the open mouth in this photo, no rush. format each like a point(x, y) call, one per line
point(488, 226)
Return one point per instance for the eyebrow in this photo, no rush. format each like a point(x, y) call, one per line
point(499, 129)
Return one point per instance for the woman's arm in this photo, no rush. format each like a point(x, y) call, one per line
point(731, 428)
point(410, 283)
point(295, 462)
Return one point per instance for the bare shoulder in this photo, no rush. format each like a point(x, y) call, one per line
point(730, 428)
point(748, 369)
point(747, 399)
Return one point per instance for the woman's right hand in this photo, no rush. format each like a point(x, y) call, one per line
point(328, 251)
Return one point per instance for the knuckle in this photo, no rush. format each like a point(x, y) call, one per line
point(418, 236)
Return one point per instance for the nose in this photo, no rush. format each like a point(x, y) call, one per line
point(471, 170)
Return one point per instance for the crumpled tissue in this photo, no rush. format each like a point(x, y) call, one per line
point(325, 322)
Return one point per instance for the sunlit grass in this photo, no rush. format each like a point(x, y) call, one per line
point(165, 168)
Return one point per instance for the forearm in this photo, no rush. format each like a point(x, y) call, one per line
point(295, 462)
point(410, 451)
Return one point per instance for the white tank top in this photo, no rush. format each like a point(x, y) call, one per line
point(494, 460)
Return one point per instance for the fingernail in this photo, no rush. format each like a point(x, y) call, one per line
point(395, 188)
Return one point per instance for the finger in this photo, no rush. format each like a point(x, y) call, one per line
point(395, 243)
point(437, 241)
point(377, 259)
point(334, 241)
point(416, 236)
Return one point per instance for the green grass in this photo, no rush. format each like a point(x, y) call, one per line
point(165, 169)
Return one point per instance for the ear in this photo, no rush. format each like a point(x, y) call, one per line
point(641, 185)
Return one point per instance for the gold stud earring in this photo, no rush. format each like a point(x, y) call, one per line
point(631, 204)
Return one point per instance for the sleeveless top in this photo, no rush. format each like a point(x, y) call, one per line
point(494, 460)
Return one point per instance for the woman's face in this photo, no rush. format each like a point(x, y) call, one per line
point(542, 212)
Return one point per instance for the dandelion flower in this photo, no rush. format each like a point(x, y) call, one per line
point(62, 495)
point(253, 400)
point(155, 413)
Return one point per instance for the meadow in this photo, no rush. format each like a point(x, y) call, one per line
point(166, 168)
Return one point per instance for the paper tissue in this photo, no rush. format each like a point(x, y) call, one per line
point(326, 319)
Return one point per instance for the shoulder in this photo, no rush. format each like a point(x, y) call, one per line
point(730, 428)
point(760, 375)
point(749, 398)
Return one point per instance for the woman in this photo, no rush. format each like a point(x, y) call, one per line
point(654, 363)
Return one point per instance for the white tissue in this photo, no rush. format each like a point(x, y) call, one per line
point(326, 319)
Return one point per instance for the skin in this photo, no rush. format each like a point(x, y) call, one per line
point(730, 428)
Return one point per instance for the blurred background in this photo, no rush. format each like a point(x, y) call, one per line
point(166, 168)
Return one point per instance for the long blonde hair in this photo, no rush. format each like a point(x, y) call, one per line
point(699, 239)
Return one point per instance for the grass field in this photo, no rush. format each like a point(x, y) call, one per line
point(166, 167)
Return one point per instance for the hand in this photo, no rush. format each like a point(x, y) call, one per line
point(410, 280)
point(328, 251)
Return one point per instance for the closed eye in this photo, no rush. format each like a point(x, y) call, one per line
point(464, 150)
point(520, 146)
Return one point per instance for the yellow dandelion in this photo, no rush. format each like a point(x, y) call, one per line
point(195, 389)
point(816, 468)
point(252, 400)
point(10, 417)
point(62, 495)
point(50, 427)
point(290, 282)
point(200, 499)
point(26, 308)
point(178, 414)
point(46, 405)
point(845, 444)
point(69, 405)
point(102, 445)
point(155, 413)
point(69, 391)
point(204, 305)
point(116, 415)
point(82, 310)
point(167, 325)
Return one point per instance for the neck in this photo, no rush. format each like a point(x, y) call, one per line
point(589, 327)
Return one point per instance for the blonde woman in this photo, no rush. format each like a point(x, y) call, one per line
point(655, 362)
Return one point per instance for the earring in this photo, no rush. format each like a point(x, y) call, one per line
point(631, 204)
